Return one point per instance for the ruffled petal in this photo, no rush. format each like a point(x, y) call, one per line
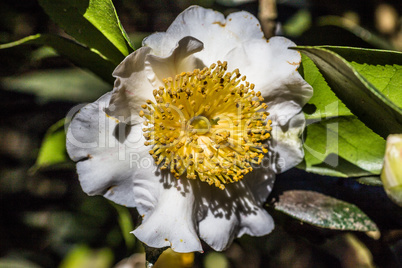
point(218, 34)
point(244, 26)
point(195, 21)
point(272, 67)
point(106, 151)
point(235, 211)
point(180, 59)
point(167, 208)
point(131, 88)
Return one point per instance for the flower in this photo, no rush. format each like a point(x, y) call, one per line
point(184, 137)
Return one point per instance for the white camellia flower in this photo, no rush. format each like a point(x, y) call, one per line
point(199, 121)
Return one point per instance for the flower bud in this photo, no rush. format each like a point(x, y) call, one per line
point(391, 174)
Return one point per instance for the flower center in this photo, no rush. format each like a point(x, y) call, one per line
point(200, 124)
point(207, 124)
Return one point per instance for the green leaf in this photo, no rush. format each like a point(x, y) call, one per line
point(367, 56)
point(382, 68)
point(332, 165)
point(93, 23)
point(337, 143)
point(53, 148)
point(324, 103)
point(79, 55)
point(74, 85)
point(324, 211)
point(348, 138)
point(368, 103)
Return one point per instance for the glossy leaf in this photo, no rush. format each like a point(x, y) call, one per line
point(336, 142)
point(348, 138)
point(332, 165)
point(324, 211)
point(324, 103)
point(93, 23)
point(368, 103)
point(79, 55)
point(367, 56)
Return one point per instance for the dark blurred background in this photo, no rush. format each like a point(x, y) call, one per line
point(47, 221)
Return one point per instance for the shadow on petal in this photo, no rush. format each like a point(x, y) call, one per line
point(121, 132)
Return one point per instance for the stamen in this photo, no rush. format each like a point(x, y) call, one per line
point(207, 124)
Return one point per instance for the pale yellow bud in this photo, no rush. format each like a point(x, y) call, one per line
point(391, 174)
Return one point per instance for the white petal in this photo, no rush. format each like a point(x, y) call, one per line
point(218, 34)
point(195, 21)
point(235, 211)
point(179, 60)
point(121, 169)
point(258, 223)
point(168, 218)
point(154, 41)
point(285, 146)
point(261, 181)
point(244, 26)
point(272, 67)
point(106, 150)
point(131, 88)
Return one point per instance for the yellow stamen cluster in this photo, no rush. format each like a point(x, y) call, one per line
point(207, 124)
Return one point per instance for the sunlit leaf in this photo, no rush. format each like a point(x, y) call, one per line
point(348, 138)
point(93, 23)
point(324, 211)
point(368, 103)
point(79, 55)
point(336, 142)
point(324, 103)
point(331, 165)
